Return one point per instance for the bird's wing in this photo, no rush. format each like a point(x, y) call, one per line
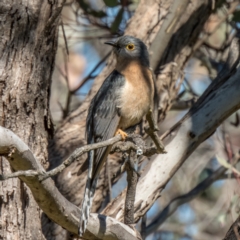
point(103, 116)
point(102, 122)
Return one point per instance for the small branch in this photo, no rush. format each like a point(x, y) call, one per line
point(68, 98)
point(183, 105)
point(143, 226)
point(134, 143)
point(152, 132)
point(65, 38)
point(90, 75)
point(117, 147)
point(78, 152)
point(28, 173)
point(43, 175)
point(132, 178)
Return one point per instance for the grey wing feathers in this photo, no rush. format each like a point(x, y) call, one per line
point(103, 116)
point(102, 122)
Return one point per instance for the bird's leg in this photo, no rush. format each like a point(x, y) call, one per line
point(122, 133)
point(151, 131)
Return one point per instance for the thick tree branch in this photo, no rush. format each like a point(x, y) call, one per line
point(49, 199)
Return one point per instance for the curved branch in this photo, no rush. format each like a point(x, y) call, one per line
point(50, 200)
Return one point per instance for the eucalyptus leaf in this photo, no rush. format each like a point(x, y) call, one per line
point(111, 3)
point(236, 16)
point(117, 21)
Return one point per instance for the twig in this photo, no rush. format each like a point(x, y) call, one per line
point(132, 178)
point(143, 226)
point(90, 75)
point(109, 181)
point(68, 100)
point(76, 154)
point(65, 38)
point(134, 142)
point(28, 173)
point(183, 105)
point(126, 146)
point(152, 132)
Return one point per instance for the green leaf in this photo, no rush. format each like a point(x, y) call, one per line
point(83, 5)
point(236, 16)
point(117, 21)
point(98, 14)
point(88, 10)
point(111, 3)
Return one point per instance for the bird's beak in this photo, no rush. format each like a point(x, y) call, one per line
point(112, 43)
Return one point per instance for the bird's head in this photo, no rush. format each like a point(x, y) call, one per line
point(130, 48)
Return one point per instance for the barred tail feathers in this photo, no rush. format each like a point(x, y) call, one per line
point(93, 173)
point(88, 197)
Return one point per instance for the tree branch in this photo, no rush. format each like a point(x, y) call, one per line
point(132, 178)
point(49, 199)
point(167, 30)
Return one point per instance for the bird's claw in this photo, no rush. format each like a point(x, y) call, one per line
point(122, 133)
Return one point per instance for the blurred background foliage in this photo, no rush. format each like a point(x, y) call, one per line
point(81, 55)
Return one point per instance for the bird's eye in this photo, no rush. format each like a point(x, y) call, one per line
point(130, 46)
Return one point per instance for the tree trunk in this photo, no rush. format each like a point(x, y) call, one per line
point(28, 44)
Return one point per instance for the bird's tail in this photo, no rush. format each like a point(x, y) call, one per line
point(88, 197)
point(93, 173)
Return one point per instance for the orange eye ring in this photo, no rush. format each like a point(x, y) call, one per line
point(130, 46)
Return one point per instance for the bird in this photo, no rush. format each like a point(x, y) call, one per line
point(125, 96)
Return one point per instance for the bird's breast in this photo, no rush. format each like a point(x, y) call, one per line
point(135, 97)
